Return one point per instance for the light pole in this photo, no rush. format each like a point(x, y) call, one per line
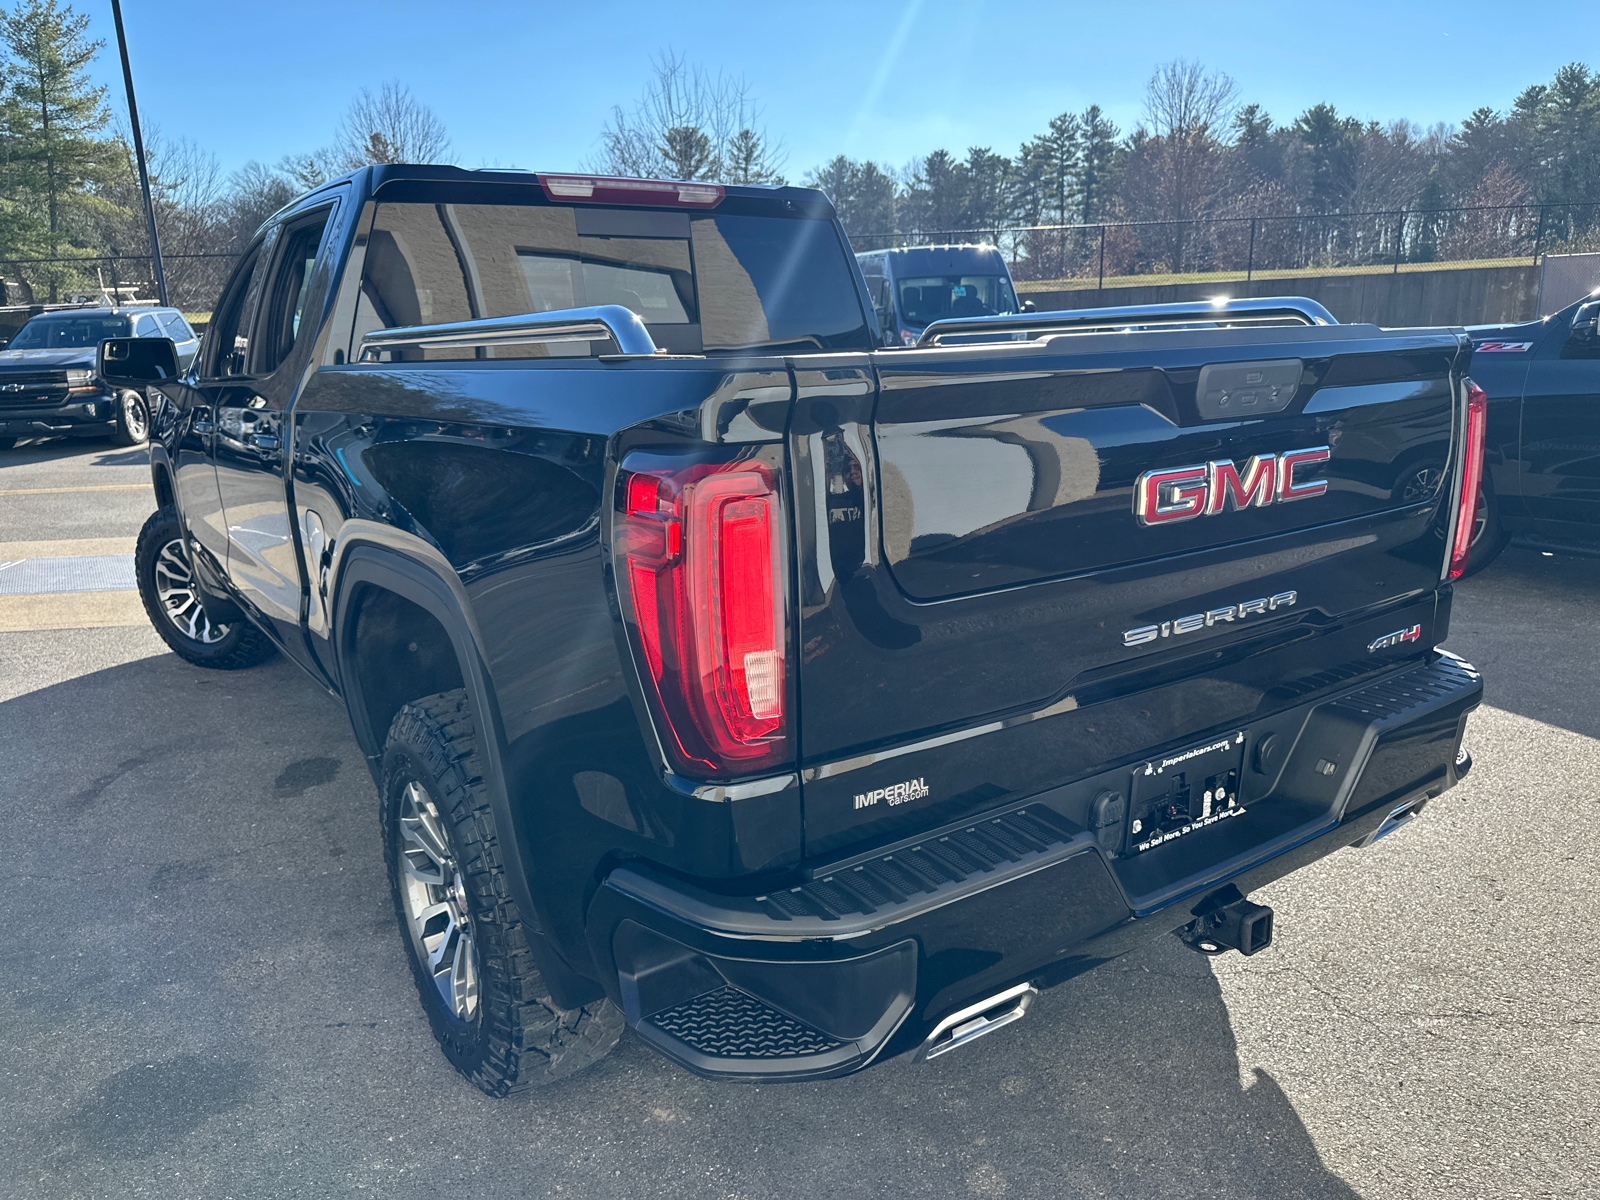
point(138, 153)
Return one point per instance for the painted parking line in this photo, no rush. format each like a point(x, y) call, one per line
point(93, 487)
point(67, 548)
point(53, 576)
point(73, 610)
point(56, 585)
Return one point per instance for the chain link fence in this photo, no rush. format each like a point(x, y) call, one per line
point(1099, 257)
point(194, 281)
point(1105, 256)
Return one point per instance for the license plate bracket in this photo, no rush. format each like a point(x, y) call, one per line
point(1186, 791)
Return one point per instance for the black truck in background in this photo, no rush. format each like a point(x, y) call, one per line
point(1542, 449)
point(794, 700)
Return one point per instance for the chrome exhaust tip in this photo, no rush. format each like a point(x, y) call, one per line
point(972, 1022)
point(1402, 816)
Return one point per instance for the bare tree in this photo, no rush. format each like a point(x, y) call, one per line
point(1184, 98)
point(1186, 107)
point(391, 126)
point(690, 125)
point(1500, 221)
point(186, 189)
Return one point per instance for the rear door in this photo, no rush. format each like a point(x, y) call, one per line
point(1561, 429)
point(996, 544)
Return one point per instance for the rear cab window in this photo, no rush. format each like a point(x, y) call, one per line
point(740, 278)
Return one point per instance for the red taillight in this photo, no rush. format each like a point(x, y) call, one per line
point(702, 550)
point(604, 189)
point(1471, 478)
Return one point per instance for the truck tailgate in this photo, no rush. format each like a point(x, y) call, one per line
point(1024, 561)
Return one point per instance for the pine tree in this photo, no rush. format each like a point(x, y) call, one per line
point(54, 114)
point(1097, 159)
point(863, 195)
point(1056, 151)
point(747, 160)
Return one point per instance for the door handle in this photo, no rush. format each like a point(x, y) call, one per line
point(262, 441)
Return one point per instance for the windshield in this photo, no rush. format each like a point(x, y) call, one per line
point(56, 333)
point(933, 297)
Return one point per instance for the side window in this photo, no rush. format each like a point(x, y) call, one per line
point(175, 327)
point(289, 289)
point(146, 326)
point(228, 337)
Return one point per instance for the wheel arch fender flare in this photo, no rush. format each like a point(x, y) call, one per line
point(161, 477)
point(383, 558)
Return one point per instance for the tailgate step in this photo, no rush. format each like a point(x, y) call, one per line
point(1399, 698)
point(728, 1023)
point(931, 867)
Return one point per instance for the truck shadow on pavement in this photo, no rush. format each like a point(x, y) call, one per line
point(98, 452)
point(1524, 622)
point(199, 897)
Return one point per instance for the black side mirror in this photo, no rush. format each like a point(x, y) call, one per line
point(134, 362)
point(1587, 323)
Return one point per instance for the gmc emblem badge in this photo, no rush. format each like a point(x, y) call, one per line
point(1206, 489)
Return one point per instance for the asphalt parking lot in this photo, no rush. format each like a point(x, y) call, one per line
point(205, 993)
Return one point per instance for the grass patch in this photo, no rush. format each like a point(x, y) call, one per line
point(1127, 281)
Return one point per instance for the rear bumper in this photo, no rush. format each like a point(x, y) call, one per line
point(865, 958)
point(96, 415)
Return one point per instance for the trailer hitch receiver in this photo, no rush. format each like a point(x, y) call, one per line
point(1241, 926)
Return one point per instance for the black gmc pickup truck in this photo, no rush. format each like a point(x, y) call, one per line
point(793, 700)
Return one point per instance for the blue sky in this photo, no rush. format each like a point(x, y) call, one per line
point(532, 84)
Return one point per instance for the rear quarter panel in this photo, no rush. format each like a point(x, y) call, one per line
point(504, 471)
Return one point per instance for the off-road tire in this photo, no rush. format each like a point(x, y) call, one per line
point(242, 645)
point(517, 1038)
point(133, 419)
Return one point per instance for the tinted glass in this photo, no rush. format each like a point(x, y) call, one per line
point(934, 297)
point(291, 287)
point(146, 326)
point(702, 282)
point(175, 326)
point(51, 333)
point(229, 343)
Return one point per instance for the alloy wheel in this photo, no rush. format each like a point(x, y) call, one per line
point(135, 416)
point(176, 593)
point(1421, 486)
point(1425, 483)
point(435, 897)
